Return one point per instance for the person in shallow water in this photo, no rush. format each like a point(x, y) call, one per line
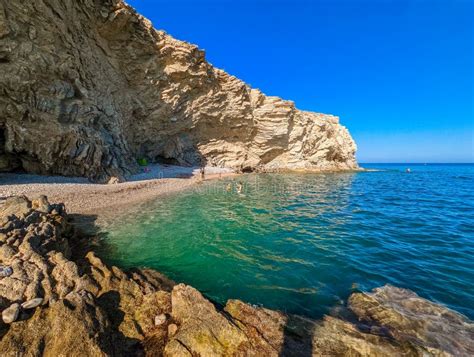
point(228, 188)
point(239, 187)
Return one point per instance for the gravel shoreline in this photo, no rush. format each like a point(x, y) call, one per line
point(84, 197)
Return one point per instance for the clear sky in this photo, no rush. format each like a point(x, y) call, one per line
point(398, 73)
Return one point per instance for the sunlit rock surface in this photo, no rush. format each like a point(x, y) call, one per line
point(57, 298)
point(88, 87)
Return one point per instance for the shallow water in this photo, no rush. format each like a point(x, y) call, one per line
point(302, 243)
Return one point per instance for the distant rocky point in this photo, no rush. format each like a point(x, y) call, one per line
point(89, 87)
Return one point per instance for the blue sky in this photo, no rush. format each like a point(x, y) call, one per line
point(399, 73)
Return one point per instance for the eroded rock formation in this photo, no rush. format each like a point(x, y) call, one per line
point(87, 87)
point(58, 299)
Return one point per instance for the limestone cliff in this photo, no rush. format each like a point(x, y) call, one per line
point(89, 86)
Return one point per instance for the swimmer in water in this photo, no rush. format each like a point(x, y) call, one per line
point(408, 170)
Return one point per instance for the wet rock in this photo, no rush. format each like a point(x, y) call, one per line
point(336, 337)
point(10, 314)
point(411, 319)
point(31, 304)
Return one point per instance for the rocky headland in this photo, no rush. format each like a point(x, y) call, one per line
point(59, 298)
point(89, 87)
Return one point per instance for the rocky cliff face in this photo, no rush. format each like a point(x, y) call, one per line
point(58, 299)
point(87, 87)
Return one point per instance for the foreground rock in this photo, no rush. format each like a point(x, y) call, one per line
point(60, 301)
point(10, 314)
point(88, 87)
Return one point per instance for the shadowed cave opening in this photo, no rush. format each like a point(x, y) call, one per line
point(8, 162)
point(248, 169)
point(166, 161)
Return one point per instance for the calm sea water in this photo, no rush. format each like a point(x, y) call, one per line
point(302, 243)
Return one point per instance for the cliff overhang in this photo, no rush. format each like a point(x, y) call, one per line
point(88, 87)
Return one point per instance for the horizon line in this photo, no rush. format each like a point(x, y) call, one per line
point(417, 163)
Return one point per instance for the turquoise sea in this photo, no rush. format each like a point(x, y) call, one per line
point(302, 243)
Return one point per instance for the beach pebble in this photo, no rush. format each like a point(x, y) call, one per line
point(115, 180)
point(10, 314)
point(172, 329)
point(5, 271)
point(31, 304)
point(160, 319)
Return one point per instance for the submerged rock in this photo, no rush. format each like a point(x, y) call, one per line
point(92, 309)
point(411, 319)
